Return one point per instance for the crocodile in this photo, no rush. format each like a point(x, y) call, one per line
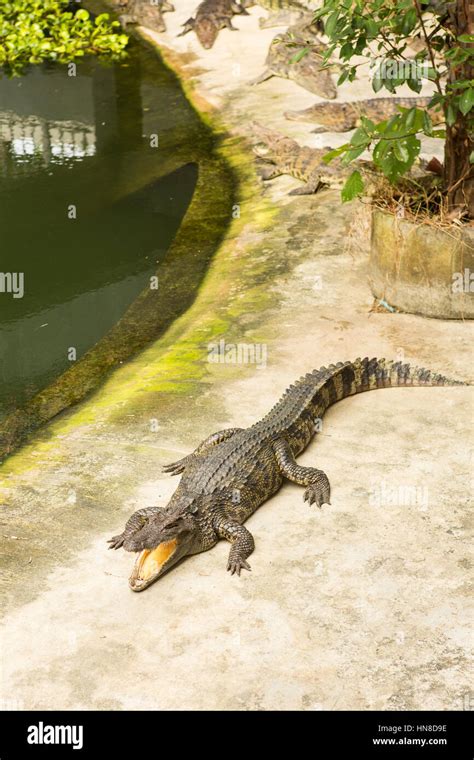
point(279, 154)
point(234, 471)
point(147, 13)
point(286, 17)
point(212, 16)
point(288, 12)
point(309, 71)
point(341, 117)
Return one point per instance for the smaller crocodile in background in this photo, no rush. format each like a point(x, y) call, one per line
point(341, 117)
point(144, 13)
point(288, 12)
point(279, 155)
point(212, 16)
point(308, 72)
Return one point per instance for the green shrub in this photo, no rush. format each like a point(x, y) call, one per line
point(32, 31)
point(382, 30)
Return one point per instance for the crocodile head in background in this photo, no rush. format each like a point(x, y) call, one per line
point(207, 30)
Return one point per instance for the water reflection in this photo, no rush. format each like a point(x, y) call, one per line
point(88, 206)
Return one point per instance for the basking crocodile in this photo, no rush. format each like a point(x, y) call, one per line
point(279, 154)
point(341, 117)
point(308, 72)
point(234, 471)
point(288, 12)
point(212, 16)
point(144, 13)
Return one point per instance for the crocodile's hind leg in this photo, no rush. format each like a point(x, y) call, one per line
point(135, 523)
point(267, 74)
point(310, 187)
point(345, 126)
point(317, 484)
point(175, 468)
point(241, 540)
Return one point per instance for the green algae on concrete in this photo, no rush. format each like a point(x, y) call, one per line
point(179, 359)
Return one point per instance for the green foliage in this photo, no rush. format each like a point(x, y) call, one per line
point(382, 30)
point(354, 186)
point(32, 31)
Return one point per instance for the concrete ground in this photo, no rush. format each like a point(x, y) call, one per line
point(361, 605)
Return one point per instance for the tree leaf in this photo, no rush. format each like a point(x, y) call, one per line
point(400, 152)
point(299, 55)
point(466, 101)
point(360, 137)
point(410, 118)
point(450, 115)
point(427, 123)
point(377, 82)
point(352, 154)
point(354, 186)
point(335, 153)
point(414, 84)
point(331, 23)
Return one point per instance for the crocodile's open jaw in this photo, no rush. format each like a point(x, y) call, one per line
point(150, 564)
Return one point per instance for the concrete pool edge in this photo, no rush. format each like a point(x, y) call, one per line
point(226, 180)
point(202, 228)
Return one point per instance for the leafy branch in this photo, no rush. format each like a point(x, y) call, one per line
point(375, 28)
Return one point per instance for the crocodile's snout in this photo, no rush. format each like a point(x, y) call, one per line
point(150, 564)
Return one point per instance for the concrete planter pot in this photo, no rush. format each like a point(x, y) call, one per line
point(422, 269)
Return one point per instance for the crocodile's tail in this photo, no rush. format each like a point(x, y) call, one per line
point(312, 394)
point(369, 374)
point(339, 381)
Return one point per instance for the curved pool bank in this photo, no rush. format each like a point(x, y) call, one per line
point(122, 187)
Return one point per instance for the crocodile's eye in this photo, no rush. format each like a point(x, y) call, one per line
point(193, 509)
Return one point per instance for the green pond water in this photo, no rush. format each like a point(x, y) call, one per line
point(88, 205)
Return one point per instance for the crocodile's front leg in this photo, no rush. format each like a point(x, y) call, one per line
point(226, 23)
point(175, 468)
point(267, 171)
point(135, 523)
point(188, 26)
point(241, 540)
point(316, 481)
point(267, 74)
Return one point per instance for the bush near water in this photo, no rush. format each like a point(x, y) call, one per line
point(33, 31)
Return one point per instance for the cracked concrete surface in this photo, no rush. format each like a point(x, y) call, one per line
point(361, 605)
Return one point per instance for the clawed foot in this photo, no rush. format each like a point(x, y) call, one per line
point(116, 541)
point(236, 565)
point(176, 468)
point(318, 493)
